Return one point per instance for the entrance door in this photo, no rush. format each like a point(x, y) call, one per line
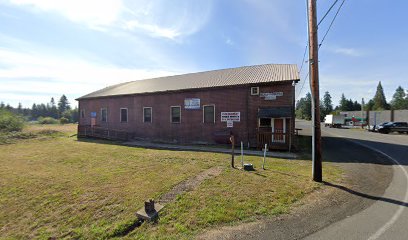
point(278, 130)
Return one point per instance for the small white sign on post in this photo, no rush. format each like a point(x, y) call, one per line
point(265, 149)
point(230, 124)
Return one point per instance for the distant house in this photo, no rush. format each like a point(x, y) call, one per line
point(255, 103)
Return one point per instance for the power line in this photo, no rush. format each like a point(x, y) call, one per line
point(328, 11)
point(303, 84)
point(304, 54)
point(324, 37)
point(331, 24)
point(303, 60)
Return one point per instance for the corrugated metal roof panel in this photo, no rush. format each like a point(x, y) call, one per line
point(216, 78)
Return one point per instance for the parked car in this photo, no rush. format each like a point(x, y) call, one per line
point(400, 127)
point(374, 128)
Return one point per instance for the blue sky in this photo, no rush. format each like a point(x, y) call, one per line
point(50, 47)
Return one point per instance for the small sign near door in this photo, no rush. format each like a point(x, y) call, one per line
point(230, 124)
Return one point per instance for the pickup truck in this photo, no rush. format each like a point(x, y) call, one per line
point(400, 127)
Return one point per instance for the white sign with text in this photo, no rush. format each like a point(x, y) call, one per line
point(230, 116)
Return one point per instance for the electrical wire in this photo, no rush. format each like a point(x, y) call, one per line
point(303, 60)
point(324, 37)
point(331, 24)
point(328, 11)
point(304, 54)
point(303, 84)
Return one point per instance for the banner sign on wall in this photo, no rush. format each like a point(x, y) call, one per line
point(271, 96)
point(230, 116)
point(192, 103)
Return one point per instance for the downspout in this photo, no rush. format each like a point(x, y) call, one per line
point(247, 116)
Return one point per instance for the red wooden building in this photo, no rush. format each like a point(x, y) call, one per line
point(255, 103)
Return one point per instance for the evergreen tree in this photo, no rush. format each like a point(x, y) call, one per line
point(343, 103)
point(52, 102)
point(2, 105)
point(380, 103)
point(63, 105)
point(399, 99)
point(304, 107)
point(327, 105)
point(52, 109)
point(20, 108)
point(356, 106)
point(34, 112)
point(369, 106)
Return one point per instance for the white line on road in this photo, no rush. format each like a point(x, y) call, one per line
point(398, 213)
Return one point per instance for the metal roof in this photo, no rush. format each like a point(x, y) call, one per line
point(265, 73)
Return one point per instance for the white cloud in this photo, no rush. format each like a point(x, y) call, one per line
point(351, 52)
point(228, 41)
point(94, 13)
point(30, 77)
point(152, 29)
point(166, 19)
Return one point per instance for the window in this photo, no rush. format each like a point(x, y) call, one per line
point(82, 113)
point(265, 122)
point(175, 114)
point(104, 115)
point(209, 114)
point(123, 115)
point(147, 114)
point(254, 90)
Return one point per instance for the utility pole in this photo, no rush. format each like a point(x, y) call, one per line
point(314, 85)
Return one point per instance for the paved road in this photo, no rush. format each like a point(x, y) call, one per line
point(369, 204)
point(387, 217)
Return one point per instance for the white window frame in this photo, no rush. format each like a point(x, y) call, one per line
point(209, 105)
point(171, 115)
point(127, 115)
point(106, 114)
point(151, 114)
point(257, 91)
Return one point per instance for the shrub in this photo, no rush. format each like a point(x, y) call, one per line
point(64, 120)
point(10, 122)
point(47, 120)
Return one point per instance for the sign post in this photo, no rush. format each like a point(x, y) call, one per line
point(232, 140)
point(263, 163)
point(242, 154)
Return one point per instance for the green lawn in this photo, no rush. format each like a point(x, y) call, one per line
point(56, 186)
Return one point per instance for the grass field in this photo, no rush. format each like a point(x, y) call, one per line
point(52, 185)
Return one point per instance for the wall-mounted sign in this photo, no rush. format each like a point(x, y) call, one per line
point(230, 116)
point(271, 96)
point(93, 114)
point(192, 103)
point(230, 124)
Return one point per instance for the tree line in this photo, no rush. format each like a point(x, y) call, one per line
point(399, 101)
point(50, 111)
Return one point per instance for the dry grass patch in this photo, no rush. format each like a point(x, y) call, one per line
point(64, 188)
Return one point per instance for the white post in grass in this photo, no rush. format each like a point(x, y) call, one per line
point(242, 154)
point(263, 164)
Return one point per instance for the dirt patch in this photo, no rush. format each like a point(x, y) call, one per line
point(189, 184)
